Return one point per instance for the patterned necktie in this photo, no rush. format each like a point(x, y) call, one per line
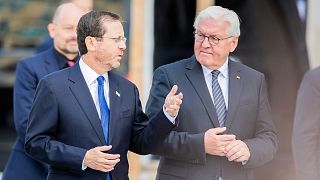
point(218, 98)
point(104, 113)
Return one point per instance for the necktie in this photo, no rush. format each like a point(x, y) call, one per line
point(218, 98)
point(70, 63)
point(104, 113)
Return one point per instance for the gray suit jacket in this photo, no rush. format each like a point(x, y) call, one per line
point(306, 129)
point(248, 117)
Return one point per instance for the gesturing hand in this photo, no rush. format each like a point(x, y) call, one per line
point(173, 101)
point(97, 159)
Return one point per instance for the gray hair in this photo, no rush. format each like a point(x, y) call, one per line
point(223, 14)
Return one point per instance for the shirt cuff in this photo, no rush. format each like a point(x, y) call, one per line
point(244, 162)
point(171, 119)
point(84, 167)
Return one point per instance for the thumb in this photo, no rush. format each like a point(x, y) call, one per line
point(173, 90)
point(219, 130)
point(104, 148)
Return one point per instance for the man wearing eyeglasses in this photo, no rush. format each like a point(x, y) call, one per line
point(86, 118)
point(225, 128)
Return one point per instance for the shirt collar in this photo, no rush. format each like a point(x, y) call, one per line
point(223, 70)
point(89, 74)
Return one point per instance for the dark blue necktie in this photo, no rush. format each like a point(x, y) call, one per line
point(104, 112)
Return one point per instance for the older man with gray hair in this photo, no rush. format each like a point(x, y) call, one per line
point(225, 128)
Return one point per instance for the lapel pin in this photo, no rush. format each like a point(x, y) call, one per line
point(238, 77)
point(117, 93)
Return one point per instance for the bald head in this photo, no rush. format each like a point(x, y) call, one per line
point(67, 11)
point(84, 4)
point(63, 29)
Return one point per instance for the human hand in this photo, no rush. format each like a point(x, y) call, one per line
point(215, 143)
point(172, 102)
point(97, 159)
point(237, 151)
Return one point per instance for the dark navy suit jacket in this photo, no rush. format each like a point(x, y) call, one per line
point(28, 74)
point(64, 124)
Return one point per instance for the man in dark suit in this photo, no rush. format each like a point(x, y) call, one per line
point(306, 129)
point(84, 119)
point(226, 127)
point(28, 73)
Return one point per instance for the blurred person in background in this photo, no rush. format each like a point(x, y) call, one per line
point(62, 54)
point(226, 128)
point(271, 42)
point(47, 42)
point(306, 128)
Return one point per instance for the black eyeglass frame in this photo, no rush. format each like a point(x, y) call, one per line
point(213, 40)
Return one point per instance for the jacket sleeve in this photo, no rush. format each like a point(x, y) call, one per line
point(182, 146)
point(148, 133)
point(24, 89)
point(42, 126)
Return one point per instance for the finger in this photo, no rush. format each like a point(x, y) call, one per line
point(105, 168)
point(231, 153)
point(103, 148)
point(177, 101)
point(240, 159)
point(112, 162)
point(223, 144)
point(180, 95)
point(232, 147)
point(174, 107)
point(218, 130)
point(173, 90)
point(235, 156)
point(112, 156)
point(227, 137)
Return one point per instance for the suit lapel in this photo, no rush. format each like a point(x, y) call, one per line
point(82, 94)
point(194, 74)
point(235, 88)
point(114, 97)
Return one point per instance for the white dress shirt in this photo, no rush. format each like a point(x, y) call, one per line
point(90, 76)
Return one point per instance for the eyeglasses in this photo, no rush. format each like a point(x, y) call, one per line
point(213, 40)
point(117, 40)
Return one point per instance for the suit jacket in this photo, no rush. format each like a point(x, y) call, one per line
point(64, 124)
point(28, 73)
point(306, 129)
point(248, 117)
